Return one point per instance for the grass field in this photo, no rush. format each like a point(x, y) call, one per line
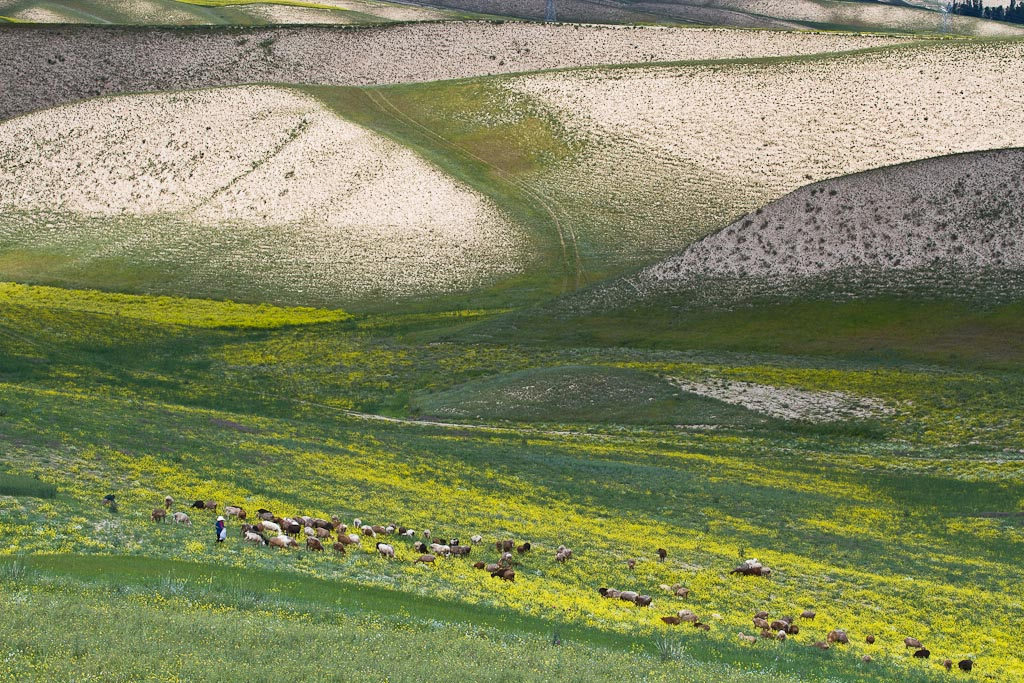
point(877, 527)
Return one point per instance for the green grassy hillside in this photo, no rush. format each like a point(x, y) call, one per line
point(880, 531)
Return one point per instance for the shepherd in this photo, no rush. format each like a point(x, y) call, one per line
point(222, 530)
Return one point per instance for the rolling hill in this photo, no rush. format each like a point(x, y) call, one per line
point(249, 192)
point(45, 66)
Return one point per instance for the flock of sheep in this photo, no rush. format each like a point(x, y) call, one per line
point(281, 532)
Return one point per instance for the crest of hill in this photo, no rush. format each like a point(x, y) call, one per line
point(771, 14)
point(908, 227)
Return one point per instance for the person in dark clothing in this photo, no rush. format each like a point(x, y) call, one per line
point(222, 530)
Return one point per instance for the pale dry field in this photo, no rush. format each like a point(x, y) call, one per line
point(666, 155)
point(788, 403)
point(261, 182)
point(42, 67)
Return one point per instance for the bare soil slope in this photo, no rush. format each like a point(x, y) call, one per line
point(251, 192)
point(42, 67)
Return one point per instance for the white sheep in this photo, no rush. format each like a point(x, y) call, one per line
point(386, 550)
point(476, 538)
point(253, 537)
point(438, 549)
point(182, 518)
point(368, 531)
point(269, 526)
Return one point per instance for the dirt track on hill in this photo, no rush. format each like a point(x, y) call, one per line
point(41, 67)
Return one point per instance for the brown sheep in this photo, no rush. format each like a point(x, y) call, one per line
point(792, 629)
point(682, 592)
point(643, 600)
point(283, 542)
point(948, 663)
point(821, 645)
point(866, 659)
point(838, 636)
point(629, 596)
point(210, 505)
point(672, 621)
point(761, 623)
point(688, 616)
point(631, 563)
point(870, 640)
point(505, 546)
point(662, 554)
point(747, 639)
point(779, 624)
point(491, 567)
point(461, 550)
point(524, 548)
point(314, 544)
point(159, 515)
point(505, 574)
point(479, 565)
point(761, 615)
point(322, 532)
point(702, 626)
point(807, 614)
point(912, 642)
point(339, 547)
point(348, 539)
point(426, 559)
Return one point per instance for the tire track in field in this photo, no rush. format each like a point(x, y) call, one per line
point(572, 263)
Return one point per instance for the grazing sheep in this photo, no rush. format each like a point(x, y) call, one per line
point(339, 547)
point(269, 526)
point(702, 626)
point(198, 505)
point(662, 554)
point(807, 614)
point(838, 636)
point(779, 624)
point(159, 515)
point(357, 523)
point(965, 665)
point(781, 635)
point(182, 518)
point(309, 531)
point(461, 550)
point(323, 532)
point(368, 531)
point(631, 563)
point(870, 640)
point(643, 600)
point(792, 629)
point(480, 565)
point(505, 546)
point(682, 591)
point(438, 549)
point(386, 551)
point(291, 526)
point(688, 616)
point(419, 546)
point(912, 642)
point(672, 621)
point(234, 511)
point(168, 502)
point(747, 639)
point(752, 568)
point(476, 538)
point(761, 615)
point(411, 533)
point(628, 596)
point(426, 559)
point(562, 556)
point(426, 534)
point(821, 645)
point(314, 544)
point(265, 514)
point(506, 558)
point(253, 537)
point(282, 541)
point(491, 567)
point(524, 548)
point(866, 659)
point(378, 529)
point(923, 653)
point(322, 523)
point(948, 663)
point(210, 505)
point(761, 623)
point(504, 574)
